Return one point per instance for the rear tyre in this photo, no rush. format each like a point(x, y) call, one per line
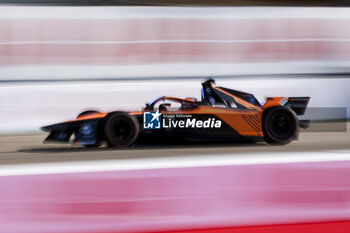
point(121, 130)
point(280, 125)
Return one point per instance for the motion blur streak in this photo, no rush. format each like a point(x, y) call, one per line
point(167, 199)
point(108, 36)
point(149, 38)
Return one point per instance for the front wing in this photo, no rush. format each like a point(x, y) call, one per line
point(86, 132)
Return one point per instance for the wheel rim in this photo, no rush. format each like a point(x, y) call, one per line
point(121, 130)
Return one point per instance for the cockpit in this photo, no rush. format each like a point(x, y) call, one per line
point(165, 103)
point(211, 95)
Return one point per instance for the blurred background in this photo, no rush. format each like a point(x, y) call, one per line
point(60, 57)
point(56, 61)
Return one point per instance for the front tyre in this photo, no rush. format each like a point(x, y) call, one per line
point(280, 125)
point(121, 129)
point(88, 112)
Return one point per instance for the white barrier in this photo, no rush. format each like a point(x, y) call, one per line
point(26, 107)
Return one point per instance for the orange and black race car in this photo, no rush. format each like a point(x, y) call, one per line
point(222, 114)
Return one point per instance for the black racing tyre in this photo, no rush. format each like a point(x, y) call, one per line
point(280, 125)
point(121, 129)
point(86, 112)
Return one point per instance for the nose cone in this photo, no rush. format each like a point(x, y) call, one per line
point(56, 127)
point(46, 128)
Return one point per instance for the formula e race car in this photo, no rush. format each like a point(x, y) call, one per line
point(222, 114)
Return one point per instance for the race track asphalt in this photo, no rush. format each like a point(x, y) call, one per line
point(22, 149)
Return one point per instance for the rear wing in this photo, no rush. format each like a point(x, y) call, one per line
point(298, 104)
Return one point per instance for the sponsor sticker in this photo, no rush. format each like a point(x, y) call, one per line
point(153, 120)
